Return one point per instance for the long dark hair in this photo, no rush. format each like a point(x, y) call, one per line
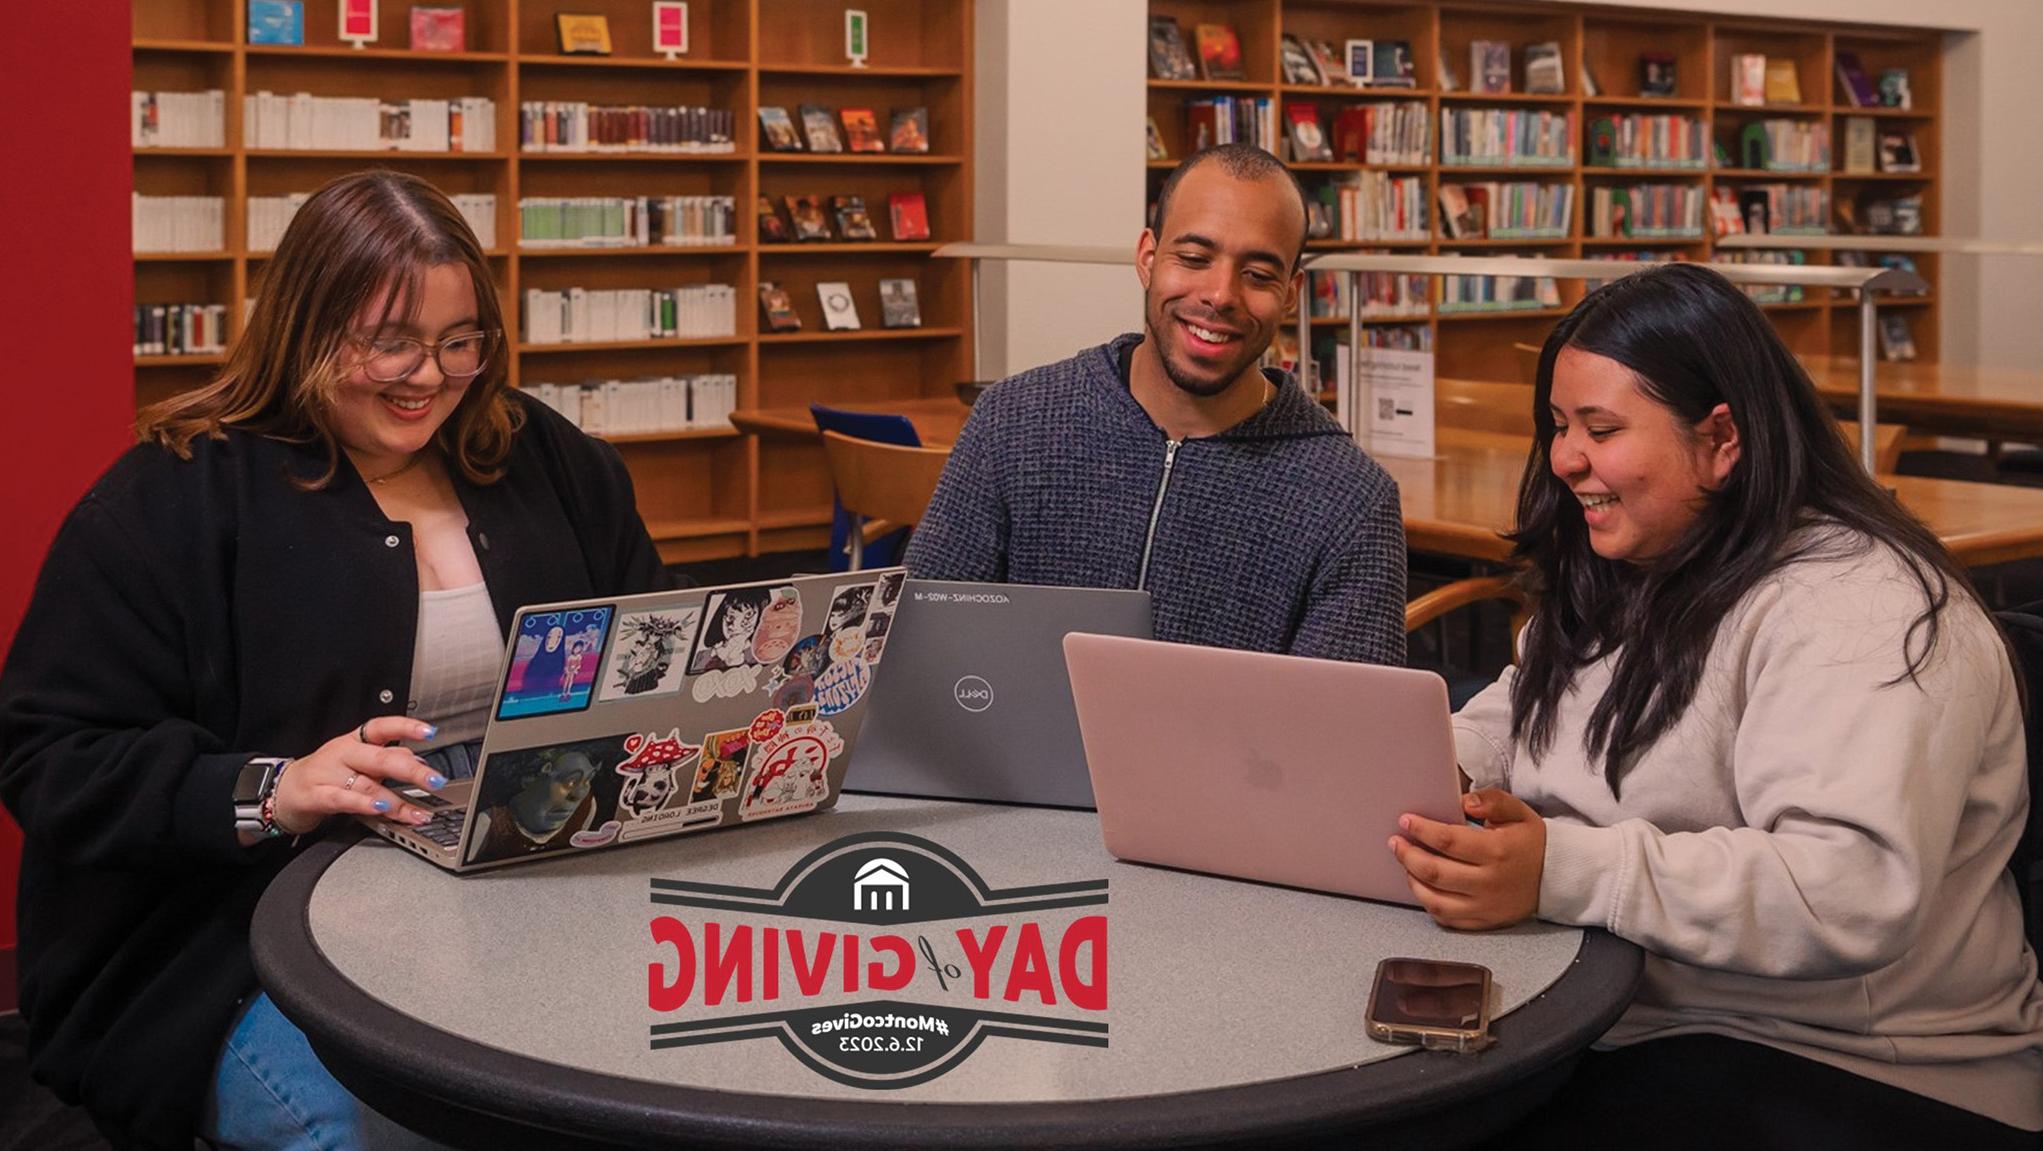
point(1693, 341)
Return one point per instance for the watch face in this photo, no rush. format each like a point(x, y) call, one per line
point(253, 782)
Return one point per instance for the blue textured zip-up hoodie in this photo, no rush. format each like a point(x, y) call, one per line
point(1278, 534)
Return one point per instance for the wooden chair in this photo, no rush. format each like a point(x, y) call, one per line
point(885, 487)
point(1463, 592)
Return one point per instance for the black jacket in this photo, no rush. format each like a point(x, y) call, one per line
point(191, 615)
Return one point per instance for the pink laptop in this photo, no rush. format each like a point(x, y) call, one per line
point(1268, 767)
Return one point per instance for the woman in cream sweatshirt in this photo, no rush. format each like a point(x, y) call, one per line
point(1762, 727)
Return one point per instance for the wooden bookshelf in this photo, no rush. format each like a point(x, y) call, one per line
point(707, 493)
point(1606, 42)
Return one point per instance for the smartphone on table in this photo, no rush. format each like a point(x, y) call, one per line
point(1432, 1003)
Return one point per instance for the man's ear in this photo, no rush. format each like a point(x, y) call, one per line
point(1145, 256)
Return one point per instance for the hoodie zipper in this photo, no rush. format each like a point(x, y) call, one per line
point(1170, 459)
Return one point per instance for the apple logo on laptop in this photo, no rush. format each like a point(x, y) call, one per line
point(973, 693)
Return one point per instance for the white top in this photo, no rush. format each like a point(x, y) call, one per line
point(454, 662)
point(1811, 857)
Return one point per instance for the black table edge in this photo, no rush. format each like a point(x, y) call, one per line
point(406, 1067)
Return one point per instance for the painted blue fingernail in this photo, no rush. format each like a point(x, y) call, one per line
point(430, 731)
point(436, 781)
point(381, 805)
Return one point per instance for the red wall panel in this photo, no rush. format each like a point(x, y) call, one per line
point(66, 289)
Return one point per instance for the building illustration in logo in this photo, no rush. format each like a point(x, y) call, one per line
point(881, 885)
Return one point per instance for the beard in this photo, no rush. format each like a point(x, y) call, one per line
point(1163, 331)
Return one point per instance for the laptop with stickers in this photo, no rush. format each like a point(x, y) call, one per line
point(976, 703)
point(1269, 767)
point(632, 718)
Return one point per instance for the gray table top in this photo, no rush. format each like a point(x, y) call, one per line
point(1208, 984)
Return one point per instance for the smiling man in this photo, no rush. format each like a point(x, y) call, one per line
point(1170, 461)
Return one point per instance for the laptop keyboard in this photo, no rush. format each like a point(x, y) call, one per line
point(444, 829)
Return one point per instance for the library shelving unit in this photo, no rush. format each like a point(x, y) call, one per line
point(706, 493)
point(1607, 44)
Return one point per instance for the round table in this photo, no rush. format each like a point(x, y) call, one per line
point(1121, 1005)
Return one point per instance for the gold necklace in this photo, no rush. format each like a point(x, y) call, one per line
point(408, 465)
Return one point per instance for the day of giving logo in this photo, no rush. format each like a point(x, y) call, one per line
point(882, 960)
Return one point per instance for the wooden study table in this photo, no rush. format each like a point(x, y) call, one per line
point(1944, 399)
point(1458, 504)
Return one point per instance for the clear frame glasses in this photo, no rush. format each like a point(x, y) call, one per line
point(391, 359)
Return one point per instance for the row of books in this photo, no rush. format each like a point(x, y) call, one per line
point(626, 221)
point(1892, 90)
point(178, 223)
point(304, 122)
point(1881, 214)
point(178, 119)
point(1498, 293)
point(577, 126)
point(1870, 148)
point(807, 220)
point(1785, 146)
point(268, 216)
point(1211, 121)
point(643, 406)
point(1770, 209)
point(1384, 295)
point(600, 315)
point(1648, 141)
point(1381, 133)
point(1369, 206)
point(1507, 136)
point(180, 329)
point(1767, 293)
point(818, 130)
point(900, 306)
point(1655, 211)
point(1519, 210)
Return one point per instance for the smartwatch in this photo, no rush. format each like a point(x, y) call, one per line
point(252, 791)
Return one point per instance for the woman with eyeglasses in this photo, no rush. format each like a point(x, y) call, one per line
point(287, 602)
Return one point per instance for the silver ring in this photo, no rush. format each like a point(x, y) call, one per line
point(350, 784)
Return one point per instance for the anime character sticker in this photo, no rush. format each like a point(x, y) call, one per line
point(553, 668)
point(722, 767)
point(794, 681)
point(647, 657)
point(650, 769)
point(778, 626)
point(847, 608)
point(733, 622)
point(890, 591)
point(542, 799)
point(790, 772)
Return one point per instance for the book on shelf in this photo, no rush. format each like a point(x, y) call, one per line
point(1590, 87)
point(180, 329)
point(178, 223)
point(304, 122)
point(1780, 209)
point(1651, 140)
point(1543, 72)
point(1450, 80)
point(777, 130)
point(1168, 58)
point(820, 127)
point(862, 130)
point(777, 308)
point(1369, 206)
point(1211, 121)
point(1525, 137)
point(177, 119)
point(1391, 64)
point(1657, 76)
point(1384, 133)
point(1883, 215)
point(1460, 293)
point(1515, 210)
point(853, 222)
point(1897, 151)
point(1489, 66)
point(626, 221)
point(1748, 79)
point(1783, 81)
point(1894, 90)
point(908, 215)
point(805, 213)
point(1647, 211)
point(1308, 139)
point(276, 22)
point(435, 28)
point(910, 130)
point(1219, 52)
point(1332, 67)
point(1726, 218)
point(840, 311)
point(1300, 66)
point(1896, 341)
point(1861, 137)
point(582, 34)
point(1858, 87)
point(1785, 146)
point(575, 126)
point(772, 229)
point(1902, 262)
point(1152, 142)
point(577, 315)
point(646, 406)
point(1461, 215)
point(899, 305)
point(1360, 67)
point(1768, 293)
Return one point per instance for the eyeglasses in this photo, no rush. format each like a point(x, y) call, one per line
point(394, 358)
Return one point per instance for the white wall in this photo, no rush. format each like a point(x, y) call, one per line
point(1062, 98)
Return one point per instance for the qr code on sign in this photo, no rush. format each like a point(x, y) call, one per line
point(1386, 408)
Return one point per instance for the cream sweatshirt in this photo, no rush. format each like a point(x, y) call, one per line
point(1811, 859)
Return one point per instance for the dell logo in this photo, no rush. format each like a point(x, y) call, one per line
point(973, 693)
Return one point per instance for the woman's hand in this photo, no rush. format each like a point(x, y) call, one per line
point(345, 777)
point(1475, 878)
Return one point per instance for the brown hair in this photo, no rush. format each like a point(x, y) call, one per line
point(360, 236)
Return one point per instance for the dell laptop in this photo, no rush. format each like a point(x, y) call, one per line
point(631, 718)
point(975, 703)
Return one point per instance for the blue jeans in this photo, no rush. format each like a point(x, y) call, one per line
point(270, 1092)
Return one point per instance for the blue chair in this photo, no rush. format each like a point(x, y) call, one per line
point(885, 428)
